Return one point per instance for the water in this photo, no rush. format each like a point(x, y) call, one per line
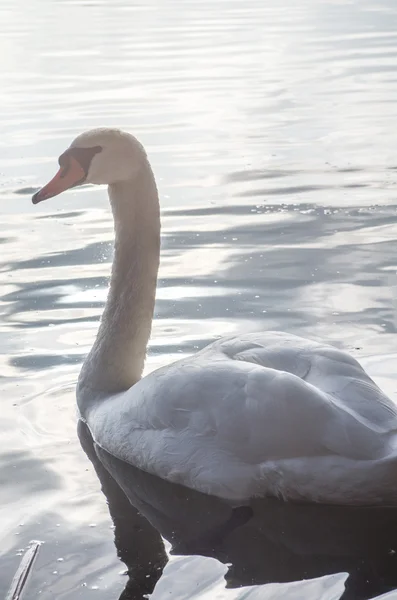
point(270, 127)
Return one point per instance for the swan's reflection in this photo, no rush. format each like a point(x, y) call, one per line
point(273, 542)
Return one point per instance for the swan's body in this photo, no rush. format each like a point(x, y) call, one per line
point(262, 414)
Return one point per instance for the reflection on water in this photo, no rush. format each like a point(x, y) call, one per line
point(270, 542)
point(270, 130)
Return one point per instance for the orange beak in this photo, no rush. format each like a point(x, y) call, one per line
point(66, 178)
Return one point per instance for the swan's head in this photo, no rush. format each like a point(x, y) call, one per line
point(100, 156)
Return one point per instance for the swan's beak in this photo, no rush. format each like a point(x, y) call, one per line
point(66, 178)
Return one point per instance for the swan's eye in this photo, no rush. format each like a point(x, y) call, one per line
point(64, 164)
point(84, 156)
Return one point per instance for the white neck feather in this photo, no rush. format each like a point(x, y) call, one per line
point(117, 357)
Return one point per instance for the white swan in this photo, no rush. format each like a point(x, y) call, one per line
point(261, 414)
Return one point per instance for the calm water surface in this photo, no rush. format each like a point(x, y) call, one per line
point(271, 128)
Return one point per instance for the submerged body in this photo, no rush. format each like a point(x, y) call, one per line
point(261, 414)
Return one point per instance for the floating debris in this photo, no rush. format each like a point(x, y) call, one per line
point(23, 572)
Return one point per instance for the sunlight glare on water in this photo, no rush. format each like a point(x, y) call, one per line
point(271, 130)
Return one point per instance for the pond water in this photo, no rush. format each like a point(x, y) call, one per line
point(271, 131)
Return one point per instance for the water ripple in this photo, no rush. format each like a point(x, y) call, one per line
point(270, 130)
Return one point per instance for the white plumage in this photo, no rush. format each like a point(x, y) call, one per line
point(263, 414)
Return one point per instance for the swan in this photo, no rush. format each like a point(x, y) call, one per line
point(262, 414)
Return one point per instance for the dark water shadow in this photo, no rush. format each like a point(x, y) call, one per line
point(277, 542)
point(138, 543)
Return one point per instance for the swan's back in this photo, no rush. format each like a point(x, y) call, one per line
point(263, 414)
point(329, 369)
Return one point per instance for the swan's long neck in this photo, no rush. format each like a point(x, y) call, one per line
point(117, 357)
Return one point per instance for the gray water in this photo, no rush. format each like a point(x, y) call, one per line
point(271, 127)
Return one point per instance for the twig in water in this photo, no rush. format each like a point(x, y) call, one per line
point(22, 574)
